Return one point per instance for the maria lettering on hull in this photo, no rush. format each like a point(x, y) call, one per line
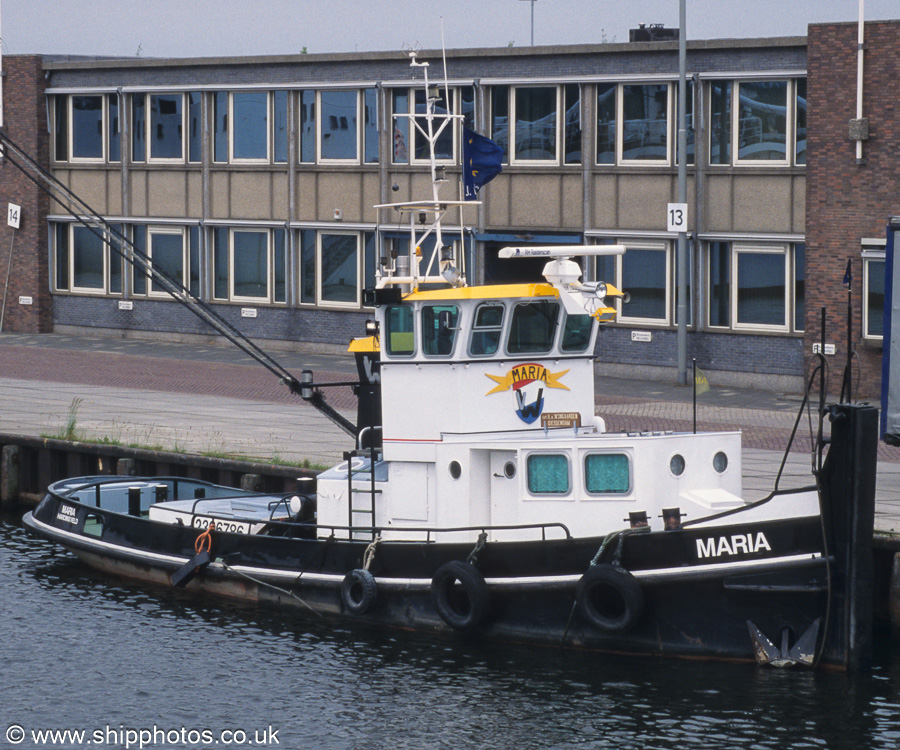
point(736, 544)
point(527, 381)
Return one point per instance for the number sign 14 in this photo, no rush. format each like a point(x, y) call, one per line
point(14, 216)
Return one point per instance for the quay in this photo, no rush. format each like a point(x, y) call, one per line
point(209, 399)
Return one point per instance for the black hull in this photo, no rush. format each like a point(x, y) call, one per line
point(688, 592)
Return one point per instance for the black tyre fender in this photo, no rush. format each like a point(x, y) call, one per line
point(460, 595)
point(609, 598)
point(359, 591)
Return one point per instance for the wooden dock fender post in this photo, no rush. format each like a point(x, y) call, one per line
point(894, 594)
point(9, 475)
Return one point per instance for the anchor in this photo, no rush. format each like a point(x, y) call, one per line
point(802, 652)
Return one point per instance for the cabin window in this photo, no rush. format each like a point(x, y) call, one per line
point(607, 473)
point(533, 327)
point(577, 333)
point(548, 474)
point(400, 338)
point(439, 327)
point(486, 331)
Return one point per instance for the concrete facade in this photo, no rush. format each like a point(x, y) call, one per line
point(747, 215)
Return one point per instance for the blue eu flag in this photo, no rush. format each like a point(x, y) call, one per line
point(482, 161)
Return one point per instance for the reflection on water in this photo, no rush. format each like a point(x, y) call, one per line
point(82, 650)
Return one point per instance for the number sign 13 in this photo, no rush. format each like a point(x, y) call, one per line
point(676, 217)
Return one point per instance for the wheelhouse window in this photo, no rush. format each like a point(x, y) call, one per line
point(400, 332)
point(533, 327)
point(439, 328)
point(758, 123)
point(577, 333)
point(486, 330)
point(607, 474)
point(548, 474)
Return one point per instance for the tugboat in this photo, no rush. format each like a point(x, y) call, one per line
point(485, 499)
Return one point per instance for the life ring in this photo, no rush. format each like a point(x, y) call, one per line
point(610, 598)
point(460, 595)
point(359, 592)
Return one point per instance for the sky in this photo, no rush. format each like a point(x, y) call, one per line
point(201, 28)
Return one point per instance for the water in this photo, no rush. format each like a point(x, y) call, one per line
point(82, 651)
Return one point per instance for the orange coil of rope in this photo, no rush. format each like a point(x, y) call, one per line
point(204, 541)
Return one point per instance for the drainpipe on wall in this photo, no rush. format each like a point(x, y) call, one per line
point(859, 127)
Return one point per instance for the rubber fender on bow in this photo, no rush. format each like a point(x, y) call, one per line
point(609, 598)
point(359, 592)
point(460, 595)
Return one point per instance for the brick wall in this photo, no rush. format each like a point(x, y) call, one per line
point(846, 201)
point(25, 116)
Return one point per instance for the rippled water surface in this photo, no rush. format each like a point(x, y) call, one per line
point(82, 651)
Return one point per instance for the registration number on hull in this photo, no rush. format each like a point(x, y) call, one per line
point(233, 527)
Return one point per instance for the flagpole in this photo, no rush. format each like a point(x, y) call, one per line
point(694, 378)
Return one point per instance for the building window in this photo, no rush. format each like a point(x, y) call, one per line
point(645, 122)
point(166, 248)
point(220, 127)
point(546, 123)
point(61, 128)
point(548, 474)
point(166, 137)
point(409, 141)
point(339, 268)
point(337, 123)
point(250, 126)
point(87, 138)
point(873, 264)
point(645, 274)
point(84, 261)
point(280, 127)
point(606, 123)
point(370, 125)
point(756, 286)
point(535, 134)
point(250, 265)
point(138, 127)
point(307, 126)
point(88, 261)
point(195, 126)
point(114, 145)
point(607, 474)
point(760, 123)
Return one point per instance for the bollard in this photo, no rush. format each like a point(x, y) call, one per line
point(251, 482)
point(894, 594)
point(134, 501)
point(9, 475)
point(125, 467)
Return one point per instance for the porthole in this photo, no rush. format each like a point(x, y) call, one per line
point(720, 462)
point(509, 470)
point(455, 469)
point(676, 464)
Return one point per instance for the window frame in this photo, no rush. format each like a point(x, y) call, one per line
point(621, 161)
point(356, 303)
point(665, 246)
point(320, 159)
point(871, 256)
point(169, 231)
point(770, 249)
point(148, 125)
point(104, 134)
point(232, 295)
point(268, 129)
point(559, 115)
point(568, 494)
point(613, 495)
